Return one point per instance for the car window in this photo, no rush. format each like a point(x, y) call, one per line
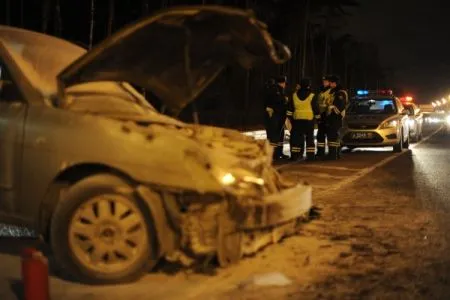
point(9, 92)
point(373, 106)
point(410, 109)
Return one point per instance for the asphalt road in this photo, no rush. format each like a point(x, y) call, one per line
point(382, 234)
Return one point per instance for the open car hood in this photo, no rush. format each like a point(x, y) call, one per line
point(178, 52)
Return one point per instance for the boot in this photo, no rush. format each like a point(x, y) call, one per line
point(320, 152)
point(277, 152)
point(310, 156)
point(295, 156)
point(332, 153)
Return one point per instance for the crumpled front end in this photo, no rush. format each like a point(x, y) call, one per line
point(237, 225)
point(254, 207)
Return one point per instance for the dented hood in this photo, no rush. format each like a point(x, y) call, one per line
point(178, 52)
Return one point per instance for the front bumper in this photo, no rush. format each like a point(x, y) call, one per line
point(234, 227)
point(370, 138)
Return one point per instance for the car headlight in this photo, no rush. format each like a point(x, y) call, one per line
point(229, 179)
point(242, 184)
point(389, 124)
point(448, 119)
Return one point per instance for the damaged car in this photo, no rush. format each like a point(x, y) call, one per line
point(113, 185)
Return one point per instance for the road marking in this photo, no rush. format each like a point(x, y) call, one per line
point(367, 170)
point(305, 174)
point(332, 167)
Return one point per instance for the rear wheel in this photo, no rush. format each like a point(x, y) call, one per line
point(101, 234)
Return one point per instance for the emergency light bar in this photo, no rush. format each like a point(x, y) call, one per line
point(362, 92)
point(374, 92)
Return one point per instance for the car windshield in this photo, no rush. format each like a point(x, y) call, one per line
point(43, 57)
point(372, 106)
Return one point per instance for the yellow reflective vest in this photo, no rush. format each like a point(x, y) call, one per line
point(325, 100)
point(302, 108)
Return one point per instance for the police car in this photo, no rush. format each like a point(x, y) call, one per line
point(376, 119)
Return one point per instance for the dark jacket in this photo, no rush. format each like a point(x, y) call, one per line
point(275, 98)
point(335, 118)
point(302, 94)
point(340, 98)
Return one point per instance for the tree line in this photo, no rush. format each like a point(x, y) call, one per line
point(311, 28)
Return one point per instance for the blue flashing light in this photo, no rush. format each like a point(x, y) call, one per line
point(362, 92)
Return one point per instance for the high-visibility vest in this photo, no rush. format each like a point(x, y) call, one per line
point(325, 100)
point(302, 108)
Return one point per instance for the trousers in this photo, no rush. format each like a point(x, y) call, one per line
point(321, 137)
point(334, 143)
point(274, 126)
point(302, 131)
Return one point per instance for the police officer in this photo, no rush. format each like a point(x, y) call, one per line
point(303, 109)
point(324, 100)
point(335, 115)
point(275, 115)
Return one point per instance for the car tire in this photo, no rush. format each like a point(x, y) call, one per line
point(349, 148)
point(399, 146)
point(101, 234)
point(420, 136)
point(406, 144)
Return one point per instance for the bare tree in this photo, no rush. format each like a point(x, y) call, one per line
point(111, 14)
point(91, 27)
point(21, 14)
point(145, 7)
point(58, 18)
point(8, 12)
point(305, 38)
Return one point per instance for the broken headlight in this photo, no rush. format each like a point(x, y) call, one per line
point(241, 182)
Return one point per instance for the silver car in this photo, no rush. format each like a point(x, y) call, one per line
point(113, 185)
point(376, 121)
point(415, 121)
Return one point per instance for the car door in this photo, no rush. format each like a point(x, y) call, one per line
point(404, 118)
point(12, 118)
point(419, 119)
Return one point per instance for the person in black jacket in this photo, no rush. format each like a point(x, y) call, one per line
point(335, 115)
point(275, 115)
point(303, 110)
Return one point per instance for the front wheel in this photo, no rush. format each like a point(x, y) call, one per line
point(399, 146)
point(101, 234)
point(406, 143)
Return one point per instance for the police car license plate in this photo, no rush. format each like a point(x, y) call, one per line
point(362, 135)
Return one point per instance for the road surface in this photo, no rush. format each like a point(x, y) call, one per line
point(381, 234)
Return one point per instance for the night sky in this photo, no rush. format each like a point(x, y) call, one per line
point(413, 38)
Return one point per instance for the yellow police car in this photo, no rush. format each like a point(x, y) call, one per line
point(375, 119)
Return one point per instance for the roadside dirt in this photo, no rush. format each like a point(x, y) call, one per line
point(374, 240)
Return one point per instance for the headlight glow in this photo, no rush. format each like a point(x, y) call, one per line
point(389, 124)
point(411, 122)
point(255, 180)
point(228, 179)
point(448, 119)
